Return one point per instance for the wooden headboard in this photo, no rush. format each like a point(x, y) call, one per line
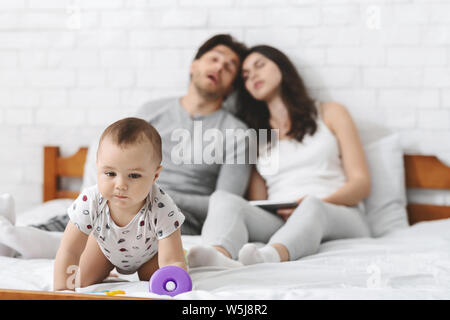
point(422, 172)
point(56, 167)
point(426, 172)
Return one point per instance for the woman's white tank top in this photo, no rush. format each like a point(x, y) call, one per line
point(295, 169)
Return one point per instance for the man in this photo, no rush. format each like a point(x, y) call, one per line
point(213, 76)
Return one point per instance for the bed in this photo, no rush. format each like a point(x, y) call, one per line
point(411, 262)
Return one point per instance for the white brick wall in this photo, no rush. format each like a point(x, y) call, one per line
point(69, 67)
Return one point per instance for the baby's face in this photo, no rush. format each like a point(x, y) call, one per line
point(125, 174)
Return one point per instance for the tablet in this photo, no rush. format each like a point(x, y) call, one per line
point(271, 205)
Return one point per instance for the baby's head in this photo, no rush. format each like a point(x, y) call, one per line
point(128, 162)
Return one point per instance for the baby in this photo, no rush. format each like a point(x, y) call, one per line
point(126, 221)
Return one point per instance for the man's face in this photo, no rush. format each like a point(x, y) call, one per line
point(214, 72)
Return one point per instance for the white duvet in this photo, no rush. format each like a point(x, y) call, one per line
point(412, 263)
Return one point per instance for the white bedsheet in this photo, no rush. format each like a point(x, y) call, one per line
point(412, 263)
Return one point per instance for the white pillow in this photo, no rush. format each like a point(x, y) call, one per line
point(386, 204)
point(43, 212)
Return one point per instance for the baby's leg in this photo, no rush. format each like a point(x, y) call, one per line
point(94, 266)
point(147, 269)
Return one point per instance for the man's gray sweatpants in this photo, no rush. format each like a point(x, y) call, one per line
point(232, 222)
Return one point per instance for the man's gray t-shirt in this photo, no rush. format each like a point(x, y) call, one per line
point(189, 179)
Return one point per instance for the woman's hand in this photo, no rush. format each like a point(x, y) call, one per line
point(286, 213)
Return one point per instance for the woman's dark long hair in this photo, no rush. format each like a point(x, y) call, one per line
point(300, 106)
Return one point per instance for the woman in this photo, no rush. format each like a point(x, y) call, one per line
point(321, 165)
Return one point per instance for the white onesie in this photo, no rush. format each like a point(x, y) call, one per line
point(128, 247)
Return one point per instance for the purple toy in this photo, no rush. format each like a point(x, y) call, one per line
point(170, 280)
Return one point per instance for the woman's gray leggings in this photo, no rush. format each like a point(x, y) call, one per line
point(232, 222)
